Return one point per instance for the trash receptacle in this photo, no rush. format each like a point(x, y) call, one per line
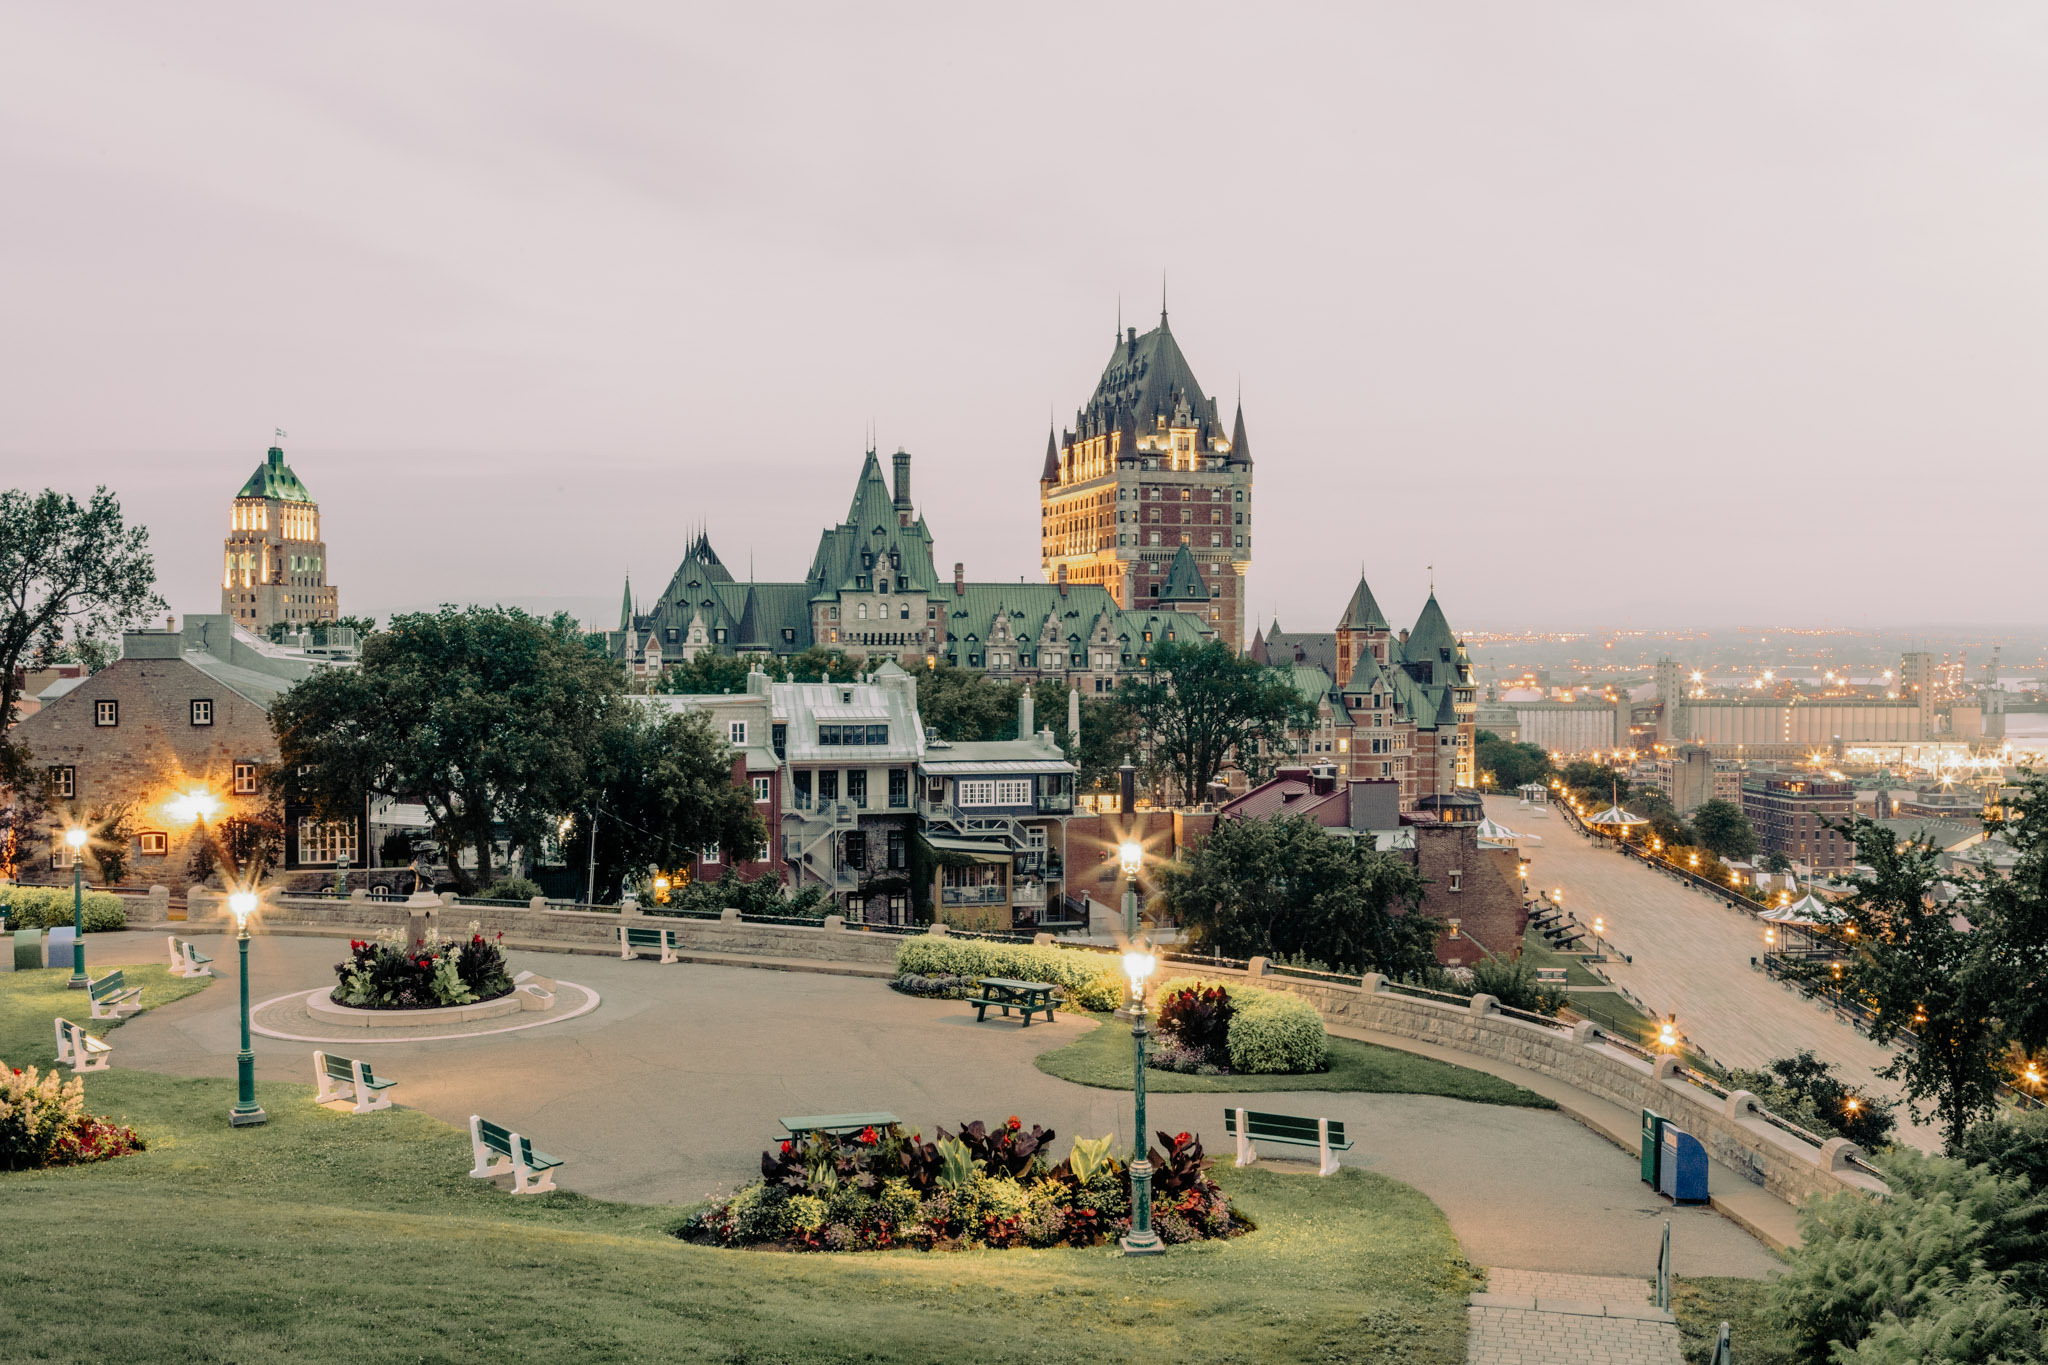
point(1653, 1141)
point(59, 946)
point(1681, 1167)
point(28, 950)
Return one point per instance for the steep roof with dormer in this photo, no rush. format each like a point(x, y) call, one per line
point(1363, 612)
point(848, 554)
point(274, 479)
point(1147, 379)
point(1184, 579)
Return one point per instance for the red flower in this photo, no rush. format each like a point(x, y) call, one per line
point(1180, 1139)
point(1015, 1122)
point(785, 1149)
point(868, 1136)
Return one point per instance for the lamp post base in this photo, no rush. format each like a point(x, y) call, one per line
point(75, 983)
point(246, 1118)
point(1149, 1246)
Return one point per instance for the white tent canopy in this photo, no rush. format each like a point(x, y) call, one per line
point(1491, 831)
point(1614, 817)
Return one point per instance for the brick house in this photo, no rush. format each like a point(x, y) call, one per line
point(1474, 887)
point(177, 730)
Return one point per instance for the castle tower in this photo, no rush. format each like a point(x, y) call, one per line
point(1145, 472)
point(276, 563)
point(1363, 632)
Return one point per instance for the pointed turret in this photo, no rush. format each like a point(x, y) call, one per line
point(1051, 472)
point(1257, 652)
point(1363, 613)
point(1184, 580)
point(1431, 642)
point(626, 606)
point(1240, 447)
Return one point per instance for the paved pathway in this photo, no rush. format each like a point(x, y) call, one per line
point(1541, 1318)
point(671, 1088)
point(1692, 954)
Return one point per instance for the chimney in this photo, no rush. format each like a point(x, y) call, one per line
point(1024, 703)
point(1063, 580)
point(959, 579)
point(1127, 787)
point(902, 458)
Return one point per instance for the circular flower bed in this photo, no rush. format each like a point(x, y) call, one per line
point(980, 1187)
point(43, 1123)
point(385, 974)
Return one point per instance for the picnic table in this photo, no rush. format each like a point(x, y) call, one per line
point(1026, 997)
point(838, 1125)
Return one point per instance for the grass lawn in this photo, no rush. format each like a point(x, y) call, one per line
point(1754, 1334)
point(1102, 1058)
point(1537, 952)
point(319, 1236)
point(29, 1001)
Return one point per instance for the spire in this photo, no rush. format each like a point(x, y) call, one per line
point(1240, 448)
point(1184, 579)
point(626, 605)
point(1051, 472)
point(1363, 613)
point(1162, 300)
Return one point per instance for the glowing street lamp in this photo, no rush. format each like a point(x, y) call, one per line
point(1142, 1240)
point(75, 838)
point(246, 1113)
point(1131, 854)
point(1667, 1034)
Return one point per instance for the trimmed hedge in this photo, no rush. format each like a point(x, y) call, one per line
point(1091, 981)
point(1271, 1032)
point(49, 907)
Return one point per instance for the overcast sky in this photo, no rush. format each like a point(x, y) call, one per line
point(1616, 314)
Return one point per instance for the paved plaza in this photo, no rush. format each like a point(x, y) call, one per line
point(1692, 953)
point(669, 1090)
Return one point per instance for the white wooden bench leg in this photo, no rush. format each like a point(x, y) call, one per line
point(1246, 1153)
point(326, 1093)
point(368, 1101)
point(485, 1168)
point(177, 958)
point(63, 1042)
point(85, 1059)
point(668, 945)
point(626, 953)
point(524, 1179)
point(1329, 1165)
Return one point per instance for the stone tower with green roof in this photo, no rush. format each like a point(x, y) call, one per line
point(1146, 471)
point(275, 569)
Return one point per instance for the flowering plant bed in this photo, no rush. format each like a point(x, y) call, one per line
point(385, 974)
point(43, 1123)
point(979, 1187)
point(1217, 1028)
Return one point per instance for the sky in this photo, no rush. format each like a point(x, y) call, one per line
point(1604, 315)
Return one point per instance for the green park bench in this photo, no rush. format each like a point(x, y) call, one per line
point(838, 1125)
point(187, 960)
point(532, 1172)
point(1026, 997)
point(112, 996)
point(633, 937)
point(343, 1078)
point(1250, 1126)
point(81, 1051)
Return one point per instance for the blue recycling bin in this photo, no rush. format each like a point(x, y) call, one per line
point(1681, 1166)
point(59, 946)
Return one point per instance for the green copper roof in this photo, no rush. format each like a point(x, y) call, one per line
point(1184, 580)
point(1364, 612)
point(1431, 642)
point(274, 479)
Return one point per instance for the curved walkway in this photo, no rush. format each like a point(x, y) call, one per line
point(672, 1087)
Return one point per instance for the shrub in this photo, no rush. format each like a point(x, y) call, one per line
point(2015, 1145)
point(511, 889)
point(1198, 1018)
point(385, 974)
point(1514, 984)
point(1805, 1090)
point(1091, 980)
point(1270, 1031)
point(43, 1123)
point(49, 907)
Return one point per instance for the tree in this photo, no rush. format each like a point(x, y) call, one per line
point(827, 660)
point(1199, 706)
point(1721, 826)
point(962, 705)
point(1508, 765)
point(1594, 782)
point(1807, 1091)
point(1287, 886)
point(1108, 731)
point(484, 715)
point(2014, 908)
point(711, 672)
point(62, 565)
point(660, 790)
point(1953, 988)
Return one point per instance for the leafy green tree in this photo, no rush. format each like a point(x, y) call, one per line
point(1722, 827)
point(1200, 706)
point(659, 791)
point(1287, 887)
point(1952, 987)
point(62, 565)
point(2014, 908)
point(484, 715)
point(1806, 1090)
point(829, 660)
point(1594, 783)
point(711, 672)
point(1507, 764)
point(962, 705)
point(1108, 731)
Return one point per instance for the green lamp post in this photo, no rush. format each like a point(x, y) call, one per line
point(246, 1112)
point(75, 837)
point(1138, 965)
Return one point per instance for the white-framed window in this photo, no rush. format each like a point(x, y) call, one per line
point(761, 789)
point(245, 779)
point(323, 843)
point(1457, 881)
point(991, 792)
point(708, 854)
point(153, 843)
point(64, 782)
point(202, 711)
point(106, 712)
point(736, 732)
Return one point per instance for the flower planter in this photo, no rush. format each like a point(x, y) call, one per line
point(323, 1008)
